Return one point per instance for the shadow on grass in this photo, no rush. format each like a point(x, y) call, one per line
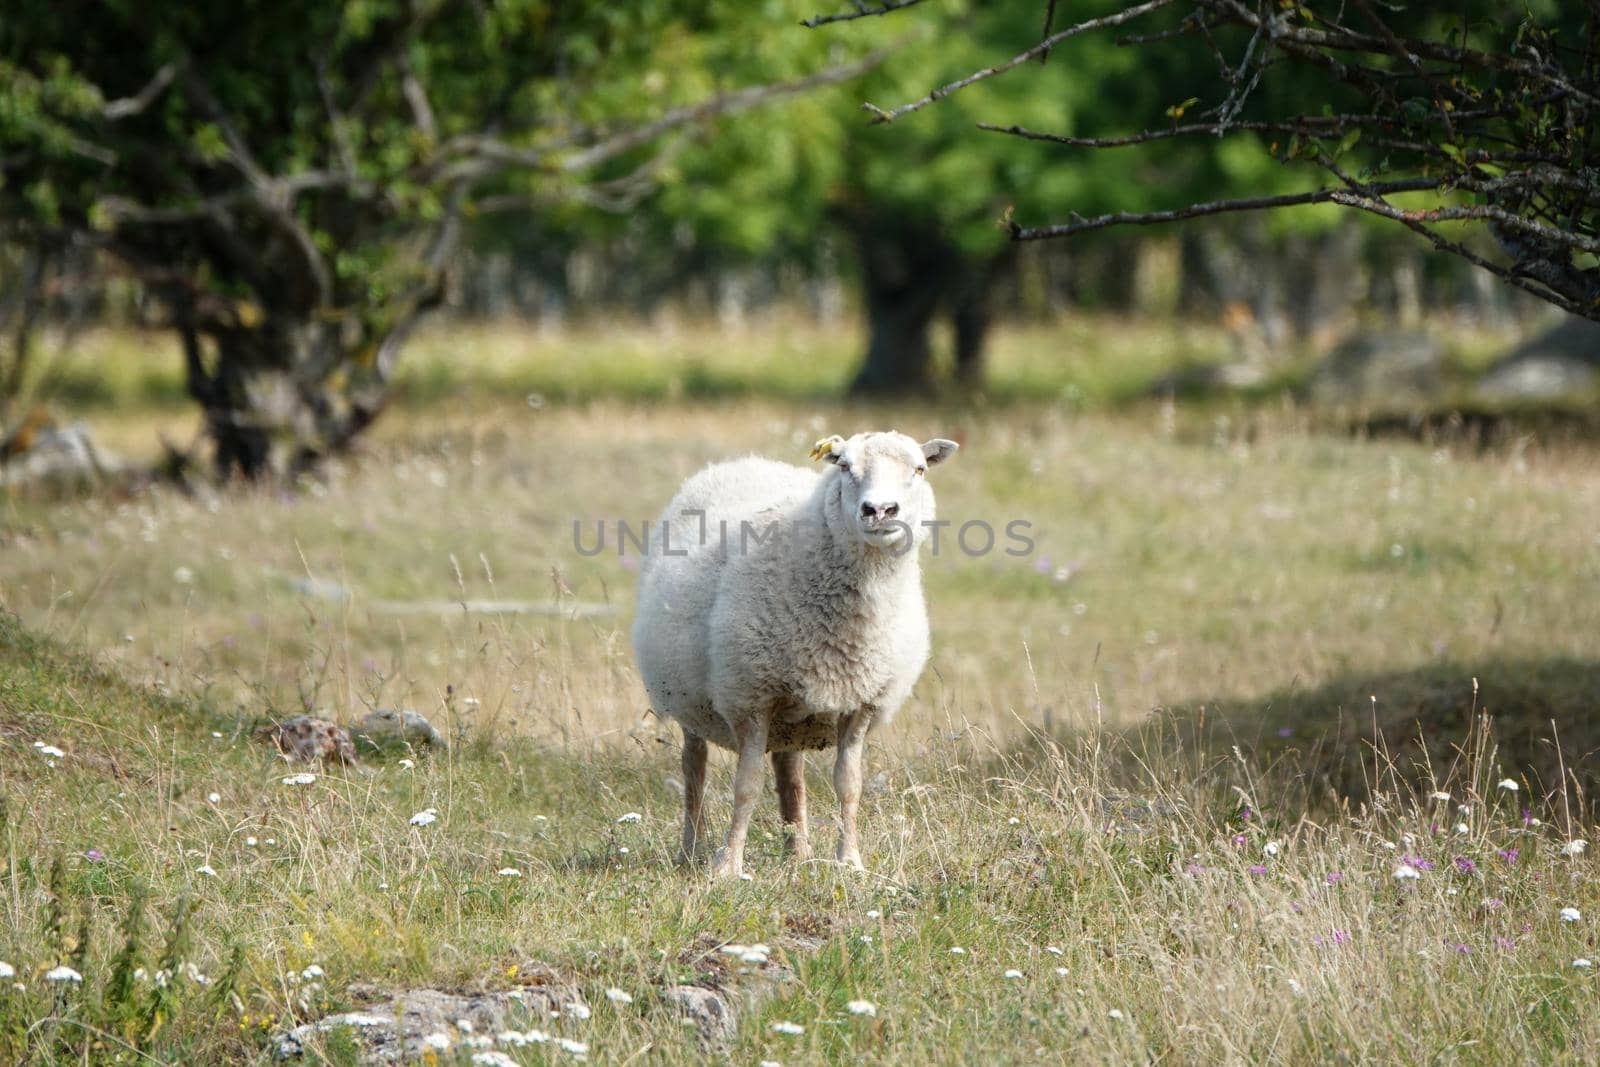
point(1422, 726)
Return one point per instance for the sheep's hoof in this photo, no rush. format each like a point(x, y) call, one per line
point(725, 865)
point(852, 859)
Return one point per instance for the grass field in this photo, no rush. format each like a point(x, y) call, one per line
point(1141, 771)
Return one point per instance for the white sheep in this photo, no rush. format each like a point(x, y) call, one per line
point(781, 610)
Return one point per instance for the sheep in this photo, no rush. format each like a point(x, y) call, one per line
point(781, 610)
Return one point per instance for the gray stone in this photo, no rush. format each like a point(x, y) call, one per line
point(1378, 366)
point(58, 455)
point(709, 1010)
point(395, 1031)
point(388, 724)
point(1559, 362)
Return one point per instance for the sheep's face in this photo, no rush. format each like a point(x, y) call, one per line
point(878, 490)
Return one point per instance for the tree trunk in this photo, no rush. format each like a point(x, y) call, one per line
point(899, 358)
point(904, 267)
point(281, 394)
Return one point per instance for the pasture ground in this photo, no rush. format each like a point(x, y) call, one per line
point(1141, 771)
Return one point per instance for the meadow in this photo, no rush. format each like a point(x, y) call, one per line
point(1275, 746)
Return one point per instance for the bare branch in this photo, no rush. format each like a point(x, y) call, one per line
point(1016, 61)
point(129, 106)
point(1214, 207)
point(862, 11)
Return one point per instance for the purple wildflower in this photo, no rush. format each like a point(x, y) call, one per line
point(1341, 937)
point(1508, 854)
point(1464, 865)
point(1286, 731)
point(1505, 944)
point(94, 855)
point(1464, 949)
point(1527, 817)
point(1418, 862)
point(1334, 877)
point(1256, 868)
point(1195, 869)
point(1238, 840)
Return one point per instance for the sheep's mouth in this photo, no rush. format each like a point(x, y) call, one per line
point(888, 535)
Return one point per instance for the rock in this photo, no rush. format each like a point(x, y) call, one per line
point(307, 739)
point(1208, 378)
point(1379, 366)
point(388, 724)
point(1557, 363)
point(708, 1009)
point(41, 451)
point(395, 1031)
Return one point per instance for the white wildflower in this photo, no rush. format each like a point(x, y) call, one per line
point(579, 1011)
point(1013, 821)
point(1574, 848)
point(1406, 872)
point(424, 817)
point(193, 974)
point(437, 1041)
point(302, 778)
point(62, 974)
point(509, 872)
point(789, 1028)
point(631, 816)
point(1582, 963)
point(1441, 795)
point(1114, 1013)
point(957, 950)
point(408, 763)
point(1270, 848)
point(464, 1025)
point(1012, 973)
point(207, 870)
point(862, 1007)
point(215, 798)
point(1570, 915)
point(6, 970)
point(250, 842)
point(572, 1048)
point(618, 996)
point(874, 914)
point(1461, 828)
point(1053, 950)
point(1509, 785)
point(183, 575)
point(493, 1058)
point(312, 973)
point(1061, 972)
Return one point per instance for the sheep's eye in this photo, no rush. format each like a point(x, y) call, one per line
point(919, 472)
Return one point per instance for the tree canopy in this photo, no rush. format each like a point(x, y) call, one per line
point(1428, 117)
point(290, 177)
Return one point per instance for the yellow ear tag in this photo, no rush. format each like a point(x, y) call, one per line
point(822, 448)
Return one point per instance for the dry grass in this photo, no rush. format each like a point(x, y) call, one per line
point(1027, 799)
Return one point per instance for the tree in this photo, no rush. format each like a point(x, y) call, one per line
point(290, 177)
point(1476, 117)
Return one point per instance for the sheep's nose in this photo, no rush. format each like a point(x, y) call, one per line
point(879, 511)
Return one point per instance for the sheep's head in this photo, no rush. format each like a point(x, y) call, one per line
point(878, 489)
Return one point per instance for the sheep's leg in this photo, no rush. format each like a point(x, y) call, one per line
point(847, 783)
point(694, 793)
point(790, 770)
point(751, 736)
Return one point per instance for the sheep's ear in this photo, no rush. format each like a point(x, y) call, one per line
point(938, 450)
point(829, 448)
